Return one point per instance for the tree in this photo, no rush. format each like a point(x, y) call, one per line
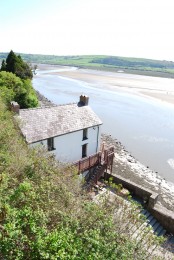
point(26, 97)
point(14, 88)
point(10, 62)
point(35, 68)
point(16, 65)
point(15, 84)
point(3, 65)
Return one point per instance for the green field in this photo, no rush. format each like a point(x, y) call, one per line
point(109, 63)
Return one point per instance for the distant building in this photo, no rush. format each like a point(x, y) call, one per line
point(70, 131)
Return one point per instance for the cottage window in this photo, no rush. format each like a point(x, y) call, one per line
point(84, 150)
point(50, 143)
point(85, 134)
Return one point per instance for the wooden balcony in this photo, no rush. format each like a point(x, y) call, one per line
point(101, 158)
point(88, 162)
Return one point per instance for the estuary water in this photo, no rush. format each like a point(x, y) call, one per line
point(144, 126)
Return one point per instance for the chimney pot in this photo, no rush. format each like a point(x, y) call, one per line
point(84, 100)
point(15, 107)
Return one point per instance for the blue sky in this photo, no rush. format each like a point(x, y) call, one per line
point(134, 28)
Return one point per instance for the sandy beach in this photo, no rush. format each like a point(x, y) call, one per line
point(162, 89)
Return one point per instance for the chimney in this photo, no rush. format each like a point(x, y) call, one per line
point(15, 107)
point(83, 100)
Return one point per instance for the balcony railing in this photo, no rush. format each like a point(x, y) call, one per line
point(105, 158)
point(88, 162)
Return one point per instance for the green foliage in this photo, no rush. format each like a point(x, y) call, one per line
point(16, 65)
point(15, 82)
point(44, 214)
point(14, 88)
point(3, 66)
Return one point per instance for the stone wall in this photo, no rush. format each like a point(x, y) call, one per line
point(164, 216)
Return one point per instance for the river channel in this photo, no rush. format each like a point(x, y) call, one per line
point(145, 127)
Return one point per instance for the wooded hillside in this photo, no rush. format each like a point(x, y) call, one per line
point(114, 63)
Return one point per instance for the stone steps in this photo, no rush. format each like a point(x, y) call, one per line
point(94, 177)
point(159, 230)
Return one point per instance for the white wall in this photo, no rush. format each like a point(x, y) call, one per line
point(68, 148)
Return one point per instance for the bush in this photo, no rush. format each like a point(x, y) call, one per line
point(14, 88)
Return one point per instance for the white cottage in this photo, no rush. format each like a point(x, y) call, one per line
point(70, 131)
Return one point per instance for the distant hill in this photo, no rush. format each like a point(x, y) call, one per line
point(112, 63)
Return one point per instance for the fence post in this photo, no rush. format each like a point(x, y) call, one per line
point(99, 157)
point(112, 161)
point(96, 178)
point(79, 166)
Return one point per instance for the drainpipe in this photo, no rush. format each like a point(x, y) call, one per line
point(97, 139)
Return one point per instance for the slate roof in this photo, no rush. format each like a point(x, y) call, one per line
point(41, 123)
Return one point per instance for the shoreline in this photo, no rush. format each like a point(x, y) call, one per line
point(125, 165)
point(43, 101)
point(145, 86)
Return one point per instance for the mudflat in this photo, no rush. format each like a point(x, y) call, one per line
point(162, 89)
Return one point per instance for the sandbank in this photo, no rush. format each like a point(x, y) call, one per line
point(161, 89)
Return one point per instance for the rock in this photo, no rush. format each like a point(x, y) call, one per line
point(43, 101)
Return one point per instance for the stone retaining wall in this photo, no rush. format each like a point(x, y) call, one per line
point(164, 216)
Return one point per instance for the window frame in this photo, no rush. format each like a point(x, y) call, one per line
point(85, 134)
point(84, 150)
point(50, 144)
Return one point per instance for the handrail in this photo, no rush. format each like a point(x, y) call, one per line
point(95, 159)
point(87, 162)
